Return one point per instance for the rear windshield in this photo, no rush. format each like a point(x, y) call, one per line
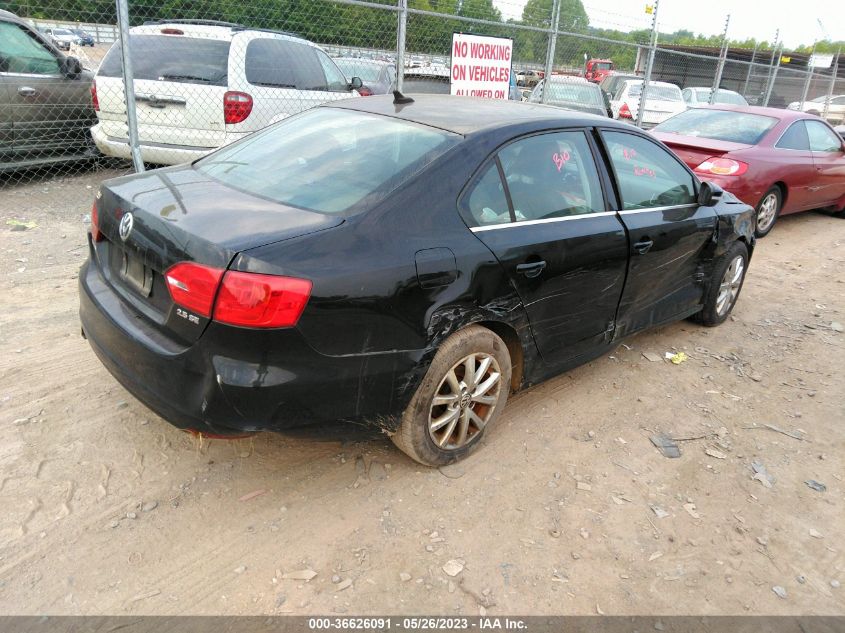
point(657, 93)
point(574, 93)
point(721, 125)
point(190, 60)
point(328, 159)
point(723, 96)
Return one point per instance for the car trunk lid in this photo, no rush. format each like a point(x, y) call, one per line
point(180, 215)
point(694, 150)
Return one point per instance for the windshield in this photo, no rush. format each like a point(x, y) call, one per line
point(574, 93)
point(61, 32)
point(720, 125)
point(657, 93)
point(355, 68)
point(723, 96)
point(172, 58)
point(328, 159)
point(603, 66)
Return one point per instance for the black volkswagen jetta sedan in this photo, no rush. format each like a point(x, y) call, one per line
point(405, 263)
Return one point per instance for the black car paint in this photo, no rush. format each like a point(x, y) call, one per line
point(381, 304)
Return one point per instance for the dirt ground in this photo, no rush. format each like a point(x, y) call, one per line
point(567, 509)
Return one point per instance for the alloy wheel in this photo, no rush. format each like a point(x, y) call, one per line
point(464, 401)
point(729, 287)
point(766, 212)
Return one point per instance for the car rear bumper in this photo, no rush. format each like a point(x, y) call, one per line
point(155, 153)
point(235, 379)
point(739, 187)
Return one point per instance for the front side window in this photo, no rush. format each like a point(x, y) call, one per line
point(822, 138)
point(21, 52)
point(551, 176)
point(795, 138)
point(335, 80)
point(328, 159)
point(648, 175)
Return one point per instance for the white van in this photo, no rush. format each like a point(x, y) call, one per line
point(662, 101)
point(200, 85)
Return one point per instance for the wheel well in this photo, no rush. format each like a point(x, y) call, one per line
point(784, 192)
point(511, 339)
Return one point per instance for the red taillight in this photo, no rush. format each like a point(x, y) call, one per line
point(94, 101)
point(236, 106)
point(96, 235)
point(193, 286)
point(722, 167)
point(170, 31)
point(254, 300)
point(625, 112)
point(365, 92)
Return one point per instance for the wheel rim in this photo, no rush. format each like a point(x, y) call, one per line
point(464, 401)
point(729, 288)
point(767, 211)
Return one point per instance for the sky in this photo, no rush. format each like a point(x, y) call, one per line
point(759, 19)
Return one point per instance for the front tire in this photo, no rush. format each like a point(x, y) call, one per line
point(768, 210)
point(725, 285)
point(463, 392)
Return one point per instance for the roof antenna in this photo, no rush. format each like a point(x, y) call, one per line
point(399, 98)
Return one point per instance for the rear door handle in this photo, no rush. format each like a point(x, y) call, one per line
point(26, 91)
point(532, 269)
point(643, 246)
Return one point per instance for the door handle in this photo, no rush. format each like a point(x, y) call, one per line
point(26, 91)
point(531, 269)
point(643, 246)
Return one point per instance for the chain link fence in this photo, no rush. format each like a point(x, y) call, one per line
point(201, 75)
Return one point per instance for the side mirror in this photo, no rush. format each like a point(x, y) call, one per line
point(70, 67)
point(356, 83)
point(709, 194)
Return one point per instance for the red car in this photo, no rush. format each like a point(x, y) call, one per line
point(778, 161)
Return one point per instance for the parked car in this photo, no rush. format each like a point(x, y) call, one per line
point(662, 101)
point(698, 97)
point(835, 107)
point(528, 78)
point(378, 78)
point(427, 80)
point(45, 102)
point(62, 38)
point(612, 82)
point(85, 38)
point(779, 161)
point(399, 266)
point(572, 93)
point(199, 86)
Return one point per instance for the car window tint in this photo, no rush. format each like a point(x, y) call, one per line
point(822, 138)
point(486, 201)
point(551, 176)
point(21, 52)
point(648, 175)
point(795, 137)
point(278, 63)
point(191, 60)
point(328, 159)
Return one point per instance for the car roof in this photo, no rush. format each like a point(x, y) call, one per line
point(709, 89)
point(777, 113)
point(570, 79)
point(662, 84)
point(469, 115)
point(213, 31)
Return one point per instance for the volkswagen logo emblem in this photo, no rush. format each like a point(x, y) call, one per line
point(125, 228)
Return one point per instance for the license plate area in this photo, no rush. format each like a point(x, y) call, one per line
point(135, 275)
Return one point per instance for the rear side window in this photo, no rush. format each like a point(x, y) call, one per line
point(286, 64)
point(551, 176)
point(648, 175)
point(795, 137)
point(487, 202)
point(191, 60)
point(822, 138)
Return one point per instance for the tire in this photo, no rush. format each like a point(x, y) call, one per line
point(768, 211)
point(458, 409)
point(716, 306)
